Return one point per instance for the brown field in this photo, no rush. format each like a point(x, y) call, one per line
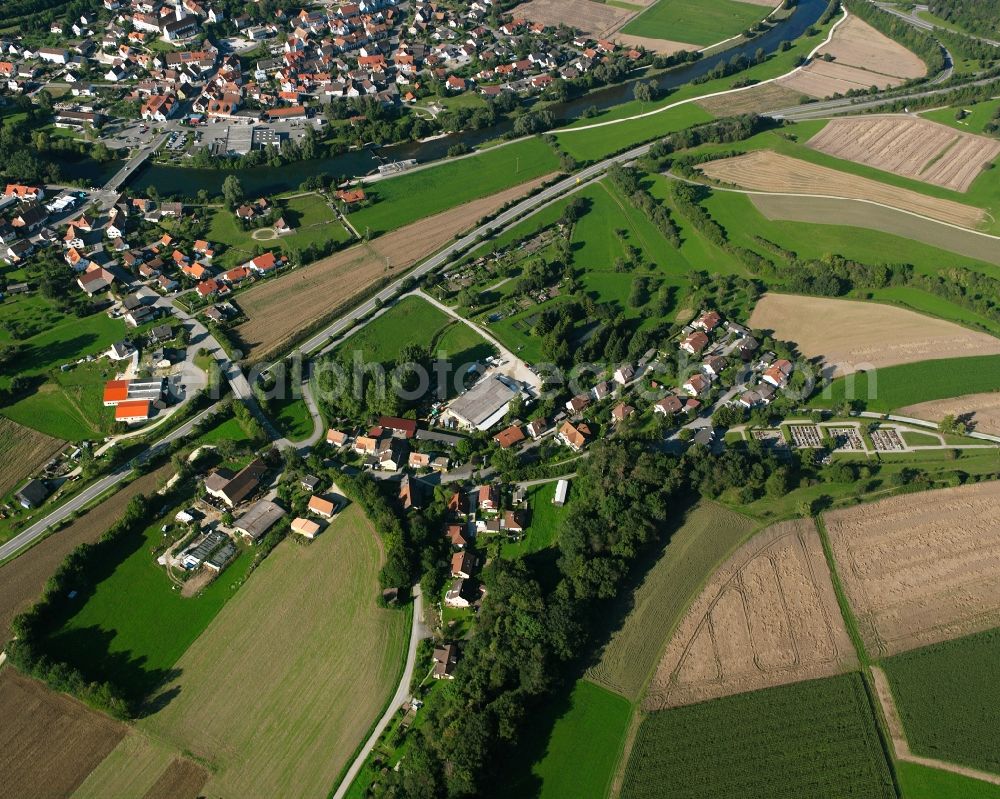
point(181, 780)
point(863, 57)
point(22, 452)
point(22, 579)
point(660, 46)
point(278, 309)
point(909, 146)
point(765, 170)
point(837, 211)
point(921, 568)
point(129, 770)
point(766, 97)
point(597, 19)
point(48, 742)
point(277, 692)
point(980, 411)
point(849, 335)
point(768, 617)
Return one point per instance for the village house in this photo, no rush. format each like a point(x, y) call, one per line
point(457, 535)
point(233, 489)
point(488, 497)
point(445, 660)
point(307, 528)
point(510, 436)
point(321, 506)
point(462, 594)
point(697, 385)
point(708, 321)
point(778, 373)
point(694, 343)
point(668, 406)
point(337, 438)
point(463, 564)
point(573, 436)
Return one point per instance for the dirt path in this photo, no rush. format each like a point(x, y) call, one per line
point(898, 735)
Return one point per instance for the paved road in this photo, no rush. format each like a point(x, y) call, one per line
point(28, 536)
point(912, 18)
point(133, 163)
point(417, 633)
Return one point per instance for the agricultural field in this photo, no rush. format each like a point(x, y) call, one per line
point(810, 740)
point(695, 22)
point(280, 308)
point(981, 412)
point(773, 172)
point(23, 578)
point(590, 16)
point(22, 452)
point(900, 386)
point(909, 146)
point(327, 675)
point(764, 97)
point(861, 58)
point(135, 625)
point(943, 695)
point(135, 766)
point(49, 742)
point(708, 534)
point(920, 568)
point(505, 171)
point(908, 230)
point(581, 746)
point(923, 782)
point(849, 336)
point(768, 617)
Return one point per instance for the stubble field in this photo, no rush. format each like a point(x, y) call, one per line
point(765, 170)
point(862, 58)
point(768, 617)
point(980, 411)
point(280, 308)
point(597, 19)
point(306, 642)
point(48, 741)
point(909, 146)
point(852, 336)
point(921, 568)
point(22, 451)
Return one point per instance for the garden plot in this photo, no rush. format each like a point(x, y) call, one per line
point(805, 435)
point(846, 439)
point(921, 568)
point(887, 440)
point(768, 617)
point(909, 146)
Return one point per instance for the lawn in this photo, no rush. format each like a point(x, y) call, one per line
point(135, 625)
point(708, 535)
point(579, 756)
point(922, 782)
point(947, 700)
point(897, 386)
point(412, 320)
point(314, 223)
point(400, 200)
point(915, 439)
point(304, 640)
point(809, 740)
point(695, 21)
point(979, 115)
point(543, 528)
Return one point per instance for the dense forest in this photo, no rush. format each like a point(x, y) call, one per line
point(975, 16)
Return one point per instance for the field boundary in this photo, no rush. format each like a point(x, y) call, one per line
point(900, 745)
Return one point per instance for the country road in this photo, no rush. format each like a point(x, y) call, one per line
point(417, 633)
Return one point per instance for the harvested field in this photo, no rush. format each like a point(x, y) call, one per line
point(305, 639)
point(765, 170)
point(129, 771)
point(22, 452)
point(921, 568)
point(591, 17)
point(863, 58)
point(48, 742)
point(909, 146)
point(660, 46)
point(279, 309)
point(768, 617)
point(981, 412)
point(181, 780)
point(22, 579)
point(837, 211)
point(858, 44)
point(851, 336)
point(765, 97)
point(709, 534)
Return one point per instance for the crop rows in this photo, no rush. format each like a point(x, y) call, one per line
point(810, 740)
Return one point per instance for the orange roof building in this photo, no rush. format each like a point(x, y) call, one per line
point(115, 391)
point(132, 411)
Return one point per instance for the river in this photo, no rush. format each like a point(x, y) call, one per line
point(183, 181)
